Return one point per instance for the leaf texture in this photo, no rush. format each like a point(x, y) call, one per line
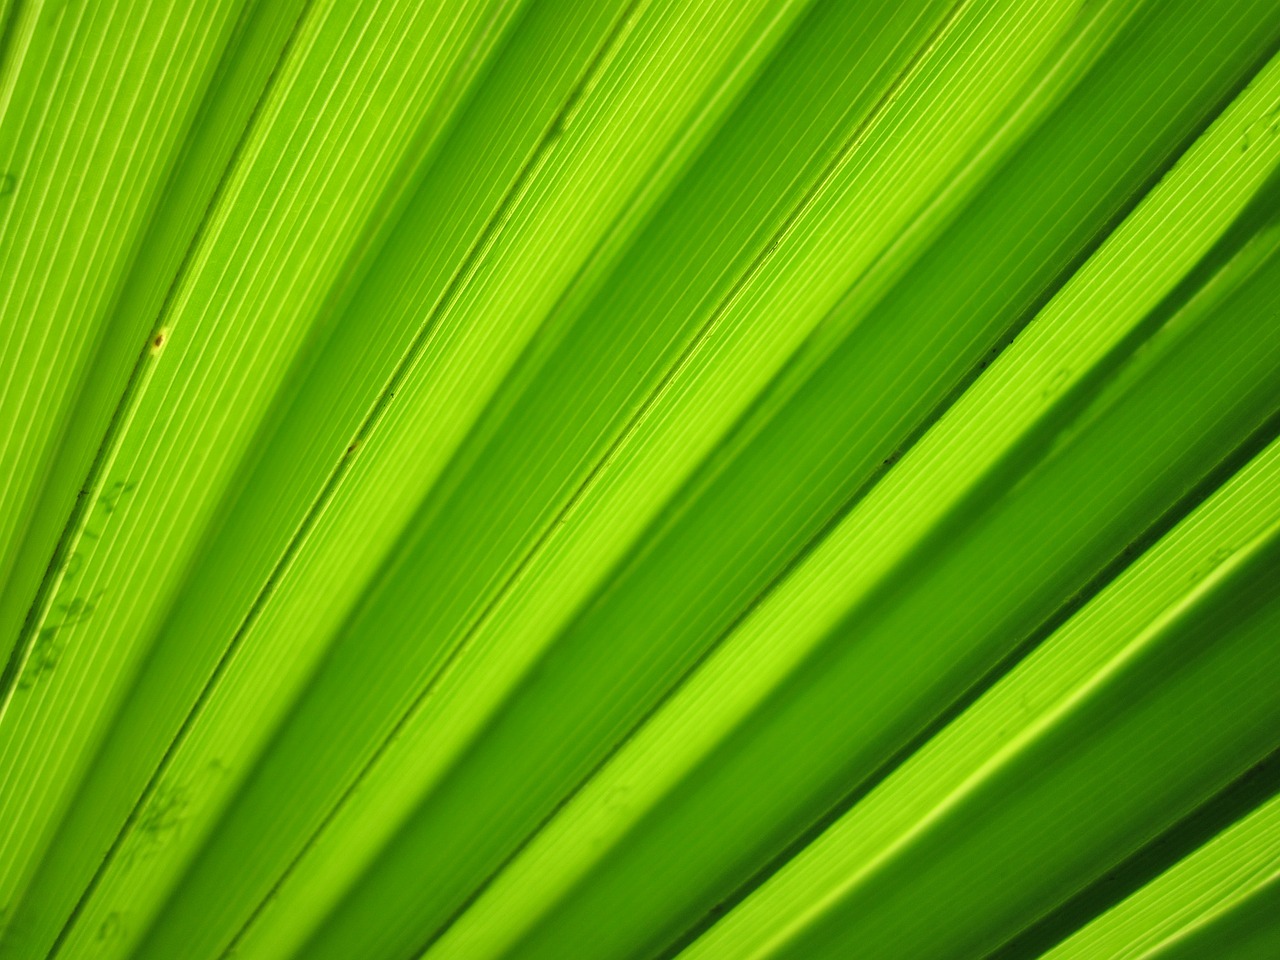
point(637, 479)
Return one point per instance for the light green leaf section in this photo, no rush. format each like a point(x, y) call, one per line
point(1232, 877)
point(95, 103)
point(447, 215)
point(246, 306)
point(228, 106)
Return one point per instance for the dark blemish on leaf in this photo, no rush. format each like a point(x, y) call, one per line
point(110, 498)
point(46, 652)
point(1056, 383)
point(71, 568)
point(8, 184)
point(162, 819)
point(76, 611)
point(1266, 125)
point(158, 341)
point(110, 928)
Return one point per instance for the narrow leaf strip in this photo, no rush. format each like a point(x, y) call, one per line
point(1234, 873)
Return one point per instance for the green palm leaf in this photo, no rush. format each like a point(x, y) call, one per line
point(638, 478)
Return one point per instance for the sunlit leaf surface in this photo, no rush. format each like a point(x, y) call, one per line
point(639, 479)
